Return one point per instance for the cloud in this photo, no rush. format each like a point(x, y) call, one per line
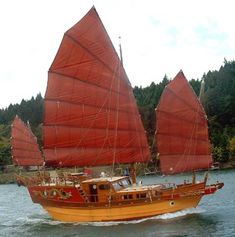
point(158, 38)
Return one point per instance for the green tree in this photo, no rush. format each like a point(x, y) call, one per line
point(232, 148)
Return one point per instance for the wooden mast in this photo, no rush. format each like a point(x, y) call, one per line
point(132, 166)
point(133, 173)
point(120, 48)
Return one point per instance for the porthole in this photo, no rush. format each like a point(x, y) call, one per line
point(172, 203)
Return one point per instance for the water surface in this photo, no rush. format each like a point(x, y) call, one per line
point(215, 215)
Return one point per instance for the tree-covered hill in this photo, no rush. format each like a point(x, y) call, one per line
point(217, 96)
point(218, 99)
point(28, 110)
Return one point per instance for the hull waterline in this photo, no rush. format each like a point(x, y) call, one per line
point(132, 212)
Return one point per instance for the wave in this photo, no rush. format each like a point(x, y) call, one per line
point(44, 220)
point(166, 216)
point(178, 214)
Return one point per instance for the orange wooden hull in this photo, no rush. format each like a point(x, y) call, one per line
point(121, 213)
point(76, 203)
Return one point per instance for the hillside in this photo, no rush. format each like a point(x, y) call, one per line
point(217, 96)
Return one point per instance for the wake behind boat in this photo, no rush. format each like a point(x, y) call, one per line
point(91, 119)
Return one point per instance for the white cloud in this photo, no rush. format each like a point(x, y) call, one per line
point(158, 38)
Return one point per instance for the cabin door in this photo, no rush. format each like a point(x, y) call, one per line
point(93, 193)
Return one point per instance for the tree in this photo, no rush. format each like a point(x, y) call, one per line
point(232, 148)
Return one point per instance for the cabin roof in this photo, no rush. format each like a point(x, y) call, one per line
point(140, 188)
point(104, 179)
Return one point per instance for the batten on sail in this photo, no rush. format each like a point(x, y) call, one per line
point(25, 150)
point(182, 130)
point(91, 117)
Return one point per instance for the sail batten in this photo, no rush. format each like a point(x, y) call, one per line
point(98, 129)
point(184, 137)
point(75, 92)
point(182, 130)
point(88, 105)
point(68, 77)
point(91, 117)
point(193, 107)
point(94, 157)
point(180, 118)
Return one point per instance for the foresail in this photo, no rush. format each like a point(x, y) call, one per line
point(182, 129)
point(91, 117)
point(24, 146)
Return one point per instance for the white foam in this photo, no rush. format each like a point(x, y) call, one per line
point(41, 219)
point(37, 220)
point(178, 214)
point(166, 216)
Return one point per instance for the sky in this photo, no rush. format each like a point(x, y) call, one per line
point(158, 37)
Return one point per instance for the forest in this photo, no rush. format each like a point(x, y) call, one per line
point(217, 97)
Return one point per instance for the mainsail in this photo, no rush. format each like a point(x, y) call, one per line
point(91, 117)
point(25, 150)
point(182, 129)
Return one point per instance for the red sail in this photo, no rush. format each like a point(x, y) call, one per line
point(25, 150)
point(91, 117)
point(182, 129)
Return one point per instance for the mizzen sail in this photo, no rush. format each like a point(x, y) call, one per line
point(91, 117)
point(25, 150)
point(182, 129)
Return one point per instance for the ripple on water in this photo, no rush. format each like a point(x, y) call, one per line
point(215, 216)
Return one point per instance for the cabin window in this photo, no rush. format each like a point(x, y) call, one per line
point(104, 187)
point(127, 196)
point(141, 195)
point(117, 186)
point(126, 183)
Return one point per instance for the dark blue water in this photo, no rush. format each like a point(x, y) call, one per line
point(215, 216)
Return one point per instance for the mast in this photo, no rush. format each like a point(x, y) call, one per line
point(133, 173)
point(202, 91)
point(132, 165)
point(120, 49)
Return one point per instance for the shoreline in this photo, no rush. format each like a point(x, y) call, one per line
point(9, 176)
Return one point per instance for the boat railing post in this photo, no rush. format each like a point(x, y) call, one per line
point(109, 199)
point(194, 178)
point(206, 177)
point(150, 194)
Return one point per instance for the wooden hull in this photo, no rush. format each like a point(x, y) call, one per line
point(122, 213)
point(79, 203)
